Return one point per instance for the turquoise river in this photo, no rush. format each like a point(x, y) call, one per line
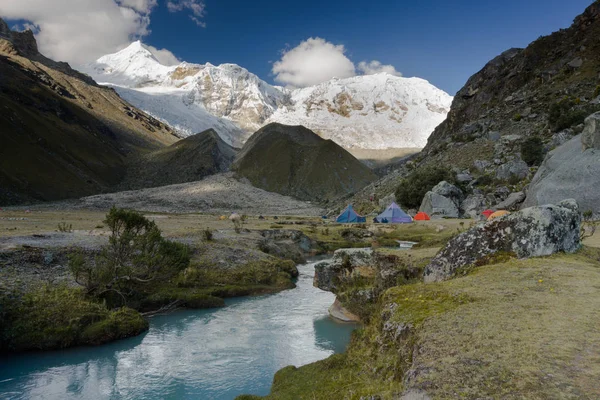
point(192, 354)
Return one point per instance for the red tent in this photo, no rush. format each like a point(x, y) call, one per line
point(487, 213)
point(421, 216)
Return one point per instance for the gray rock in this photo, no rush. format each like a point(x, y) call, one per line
point(526, 112)
point(532, 232)
point(438, 206)
point(596, 100)
point(568, 172)
point(463, 178)
point(450, 191)
point(481, 165)
point(494, 136)
point(415, 395)
point(515, 168)
point(328, 274)
point(501, 193)
point(512, 201)
point(590, 137)
point(473, 205)
point(576, 63)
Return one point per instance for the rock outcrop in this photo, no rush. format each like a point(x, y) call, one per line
point(343, 264)
point(532, 232)
point(590, 137)
point(288, 244)
point(571, 170)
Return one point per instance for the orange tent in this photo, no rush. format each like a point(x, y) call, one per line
point(421, 216)
point(498, 214)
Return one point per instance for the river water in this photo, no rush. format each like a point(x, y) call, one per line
point(192, 354)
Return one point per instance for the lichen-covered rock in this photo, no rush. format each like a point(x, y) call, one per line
point(344, 263)
point(532, 232)
point(590, 137)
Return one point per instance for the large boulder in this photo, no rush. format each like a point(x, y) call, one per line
point(568, 171)
point(437, 206)
point(473, 205)
point(590, 137)
point(344, 263)
point(443, 200)
point(533, 232)
point(450, 191)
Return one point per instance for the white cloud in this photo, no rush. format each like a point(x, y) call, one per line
point(196, 7)
point(164, 56)
point(313, 61)
point(316, 60)
point(375, 67)
point(79, 31)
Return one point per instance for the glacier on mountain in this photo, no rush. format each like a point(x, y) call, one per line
point(370, 111)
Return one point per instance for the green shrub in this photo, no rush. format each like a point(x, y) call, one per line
point(567, 113)
point(135, 257)
point(532, 151)
point(207, 235)
point(597, 91)
point(64, 227)
point(517, 117)
point(58, 317)
point(412, 189)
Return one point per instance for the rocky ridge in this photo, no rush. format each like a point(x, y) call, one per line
point(62, 135)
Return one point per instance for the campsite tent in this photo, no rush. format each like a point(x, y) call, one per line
point(487, 213)
point(421, 216)
point(498, 214)
point(349, 216)
point(394, 215)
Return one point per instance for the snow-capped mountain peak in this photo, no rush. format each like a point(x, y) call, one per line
point(370, 111)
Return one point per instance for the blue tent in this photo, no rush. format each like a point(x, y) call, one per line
point(349, 216)
point(394, 215)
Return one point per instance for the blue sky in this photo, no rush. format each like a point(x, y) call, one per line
point(444, 42)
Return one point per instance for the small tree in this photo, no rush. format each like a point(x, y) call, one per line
point(136, 256)
point(532, 151)
point(588, 225)
point(413, 188)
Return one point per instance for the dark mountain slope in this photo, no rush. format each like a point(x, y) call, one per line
point(62, 135)
point(293, 160)
point(188, 160)
point(539, 90)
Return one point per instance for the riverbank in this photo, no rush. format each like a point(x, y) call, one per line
point(511, 329)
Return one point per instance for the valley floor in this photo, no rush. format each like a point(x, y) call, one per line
point(216, 194)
